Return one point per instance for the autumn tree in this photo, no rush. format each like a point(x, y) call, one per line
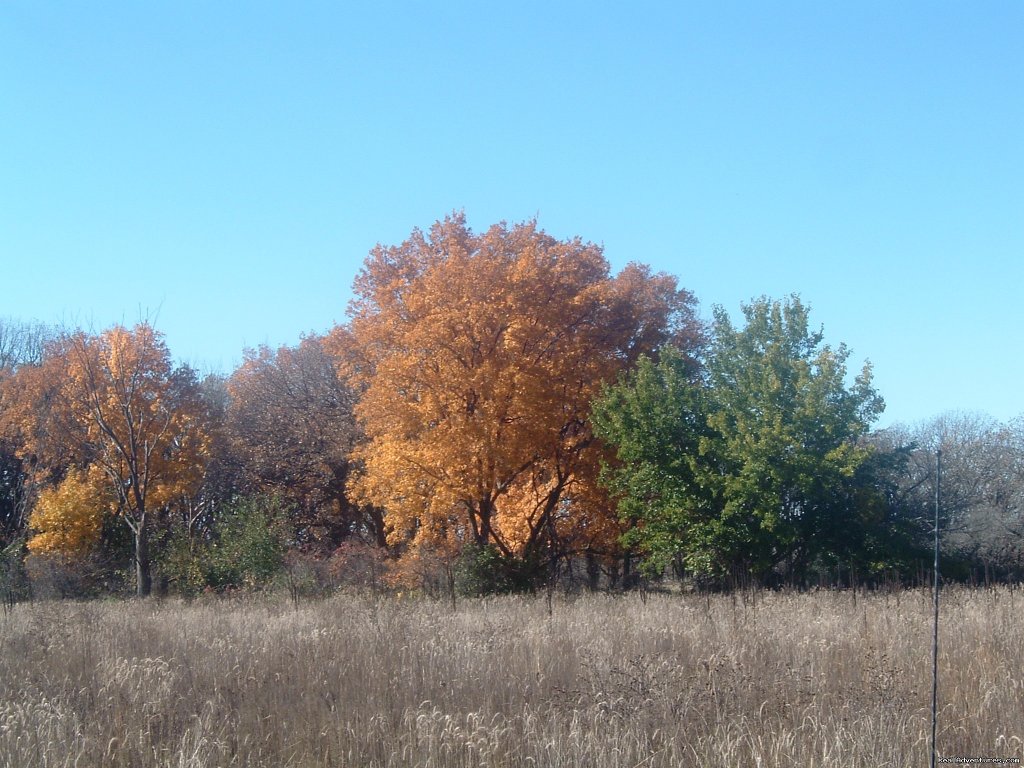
point(291, 430)
point(478, 355)
point(197, 510)
point(117, 428)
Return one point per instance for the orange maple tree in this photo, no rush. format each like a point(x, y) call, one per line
point(116, 427)
point(479, 355)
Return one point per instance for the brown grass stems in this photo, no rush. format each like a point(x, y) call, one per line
point(785, 679)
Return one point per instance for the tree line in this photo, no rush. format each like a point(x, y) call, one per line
point(500, 412)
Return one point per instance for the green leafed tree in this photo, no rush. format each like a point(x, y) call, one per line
point(755, 466)
point(656, 419)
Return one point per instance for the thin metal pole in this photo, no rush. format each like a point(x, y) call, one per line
point(935, 591)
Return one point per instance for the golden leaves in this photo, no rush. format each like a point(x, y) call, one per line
point(111, 403)
point(68, 518)
point(478, 356)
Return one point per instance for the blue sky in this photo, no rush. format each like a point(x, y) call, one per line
point(225, 167)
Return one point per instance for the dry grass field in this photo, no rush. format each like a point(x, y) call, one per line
point(771, 679)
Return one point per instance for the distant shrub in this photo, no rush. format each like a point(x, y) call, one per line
point(52, 576)
point(245, 548)
point(484, 570)
point(359, 565)
point(307, 574)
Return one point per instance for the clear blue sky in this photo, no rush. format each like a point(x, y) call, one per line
point(225, 167)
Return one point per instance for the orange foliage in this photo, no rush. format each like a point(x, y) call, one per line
point(113, 403)
point(134, 417)
point(479, 356)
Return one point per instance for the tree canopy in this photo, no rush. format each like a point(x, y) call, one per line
point(498, 405)
point(291, 429)
point(478, 355)
point(750, 465)
point(115, 426)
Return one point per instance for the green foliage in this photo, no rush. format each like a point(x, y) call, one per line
point(656, 419)
point(181, 563)
point(756, 466)
point(788, 430)
point(245, 548)
point(484, 570)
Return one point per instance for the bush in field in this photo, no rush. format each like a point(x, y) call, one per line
point(56, 576)
point(359, 565)
point(308, 574)
point(245, 548)
point(105, 568)
point(439, 569)
point(483, 570)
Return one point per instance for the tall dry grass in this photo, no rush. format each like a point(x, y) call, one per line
point(765, 680)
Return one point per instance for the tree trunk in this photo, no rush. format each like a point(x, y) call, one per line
point(593, 572)
point(379, 531)
point(143, 577)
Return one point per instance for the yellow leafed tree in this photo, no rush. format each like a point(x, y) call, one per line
point(479, 356)
point(114, 403)
point(69, 516)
